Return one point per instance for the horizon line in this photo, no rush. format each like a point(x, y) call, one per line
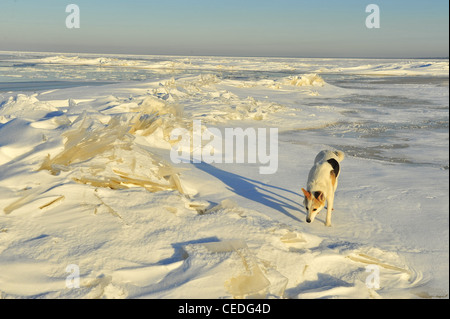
point(233, 56)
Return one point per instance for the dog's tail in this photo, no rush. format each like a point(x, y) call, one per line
point(340, 155)
point(327, 154)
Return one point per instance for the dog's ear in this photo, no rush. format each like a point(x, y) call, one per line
point(306, 193)
point(320, 196)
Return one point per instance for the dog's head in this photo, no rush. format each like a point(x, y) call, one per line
point(314, 202)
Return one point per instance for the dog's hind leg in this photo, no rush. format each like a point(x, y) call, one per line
point(330, 201)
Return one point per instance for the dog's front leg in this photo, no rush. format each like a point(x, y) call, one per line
point(330, 201)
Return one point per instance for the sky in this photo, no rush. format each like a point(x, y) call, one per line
point(283, 28)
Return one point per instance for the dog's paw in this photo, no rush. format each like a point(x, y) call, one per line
point(328, 224)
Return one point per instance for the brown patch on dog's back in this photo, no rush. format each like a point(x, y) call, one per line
point(335, 165)
point(333, 178)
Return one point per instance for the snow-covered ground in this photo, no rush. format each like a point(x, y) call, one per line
point(93, 206)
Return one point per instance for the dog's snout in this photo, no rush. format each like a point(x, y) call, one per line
point(308, 220)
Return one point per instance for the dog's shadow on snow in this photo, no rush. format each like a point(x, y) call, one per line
point(268, 195)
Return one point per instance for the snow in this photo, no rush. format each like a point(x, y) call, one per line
point(88, 187)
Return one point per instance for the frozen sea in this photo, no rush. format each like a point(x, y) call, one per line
point(396, 109)
point(389, 116)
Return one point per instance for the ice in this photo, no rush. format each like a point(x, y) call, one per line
point(102, 155)
point(306, 80)
point(249, 279)
point(21, 105)
point(252, 283)
point(26, 198)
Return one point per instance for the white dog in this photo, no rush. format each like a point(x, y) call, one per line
point(322, 183)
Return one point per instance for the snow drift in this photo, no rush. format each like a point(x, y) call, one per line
point(86, 184)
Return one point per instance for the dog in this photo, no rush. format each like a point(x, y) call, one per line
point(322, 184)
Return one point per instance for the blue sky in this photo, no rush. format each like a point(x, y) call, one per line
point(228, 27)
